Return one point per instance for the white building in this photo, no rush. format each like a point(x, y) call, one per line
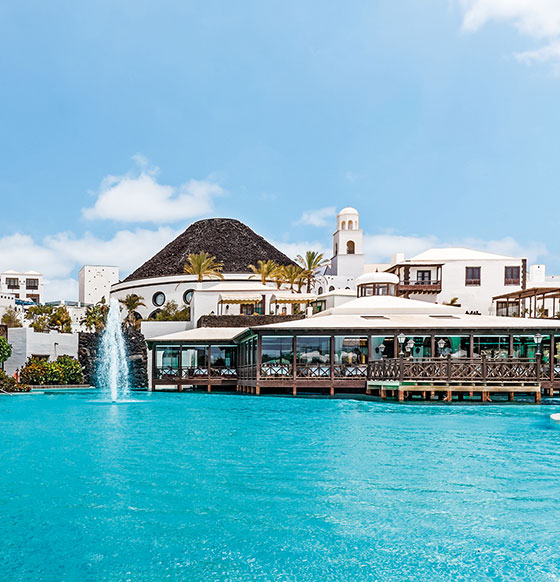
point(347, 260)
point(26, 286)
point(94, 283)
point(463, 277)
point(27, 343)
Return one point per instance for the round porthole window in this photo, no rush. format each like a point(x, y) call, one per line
point(187, 296)
point(158, 299)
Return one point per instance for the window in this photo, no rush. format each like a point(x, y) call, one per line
point(423, 276)
point(187, 296)
point(350, 225)
point(32, 283)
point(313, 350)
point(343, 226)
point(507, 308)
point(320, 291)
point(350, 350)
point(158, 299)
point(472, 275)
point(512, 276)
point(350, 247)
point(277, 349)
point(12, 283)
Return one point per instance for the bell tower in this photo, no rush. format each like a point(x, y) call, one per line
point(348, 257)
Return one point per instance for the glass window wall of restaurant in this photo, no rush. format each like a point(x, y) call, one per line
point(223, 356)
point(382, 346)
point(457, 346)
point(277, 355)
point(313, 356)
point(525, 346)
point(419, 346)
point(167, 358)
point(491, 346)
point(194, 356)
point(350, 350)
point(313, 349)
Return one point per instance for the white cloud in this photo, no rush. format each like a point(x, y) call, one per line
point(318, 217)
point(538, 19)
point(140, 198)
point(57, 256)
point(293, 249)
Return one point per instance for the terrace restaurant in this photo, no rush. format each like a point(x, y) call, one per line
point(377, 337)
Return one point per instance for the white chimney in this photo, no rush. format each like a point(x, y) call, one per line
point(397, 258)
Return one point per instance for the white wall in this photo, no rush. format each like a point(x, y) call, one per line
point(26, 342)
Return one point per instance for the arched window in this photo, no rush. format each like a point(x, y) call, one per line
point(331, 288)
point(343, 225)
point(320, 291)
point(350, 247)
point(350, 225)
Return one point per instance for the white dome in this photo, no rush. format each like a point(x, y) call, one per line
point(376, 277)
point(347, 210)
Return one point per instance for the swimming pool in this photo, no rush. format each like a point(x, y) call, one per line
point(230, 487)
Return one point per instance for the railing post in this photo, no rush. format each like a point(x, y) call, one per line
point(539, 361)
point(449, 367)
point(401, 367)
point(484, 368)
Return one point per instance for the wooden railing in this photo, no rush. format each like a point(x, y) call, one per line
point(433, 285)
point(456, 369)
point(195, 372)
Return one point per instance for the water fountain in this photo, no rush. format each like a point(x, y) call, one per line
point(113, 376)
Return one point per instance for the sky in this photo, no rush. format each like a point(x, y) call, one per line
point(122, 122)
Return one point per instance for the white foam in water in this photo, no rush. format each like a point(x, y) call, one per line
point(113, 365)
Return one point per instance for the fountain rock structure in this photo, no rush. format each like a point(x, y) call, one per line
point(113, 373)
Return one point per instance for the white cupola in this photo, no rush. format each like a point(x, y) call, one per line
point(348, 258)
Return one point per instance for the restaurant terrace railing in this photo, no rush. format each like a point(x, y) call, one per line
point(195, 372)
point(456, 369)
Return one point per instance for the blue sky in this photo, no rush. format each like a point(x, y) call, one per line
point(122, 122)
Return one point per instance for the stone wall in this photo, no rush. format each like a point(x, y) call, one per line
point(88, 345)
point(4, 331)
point(244, 320)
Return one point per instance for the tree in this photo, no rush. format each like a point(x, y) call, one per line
point(45, 318)
point(11, 318)
point(131, 303)
point(266, 270)
point(171, 312)
point(204, 265)
point(96, 316)
point(293, 275)
point(60, 320)
point(311, 263)
point(5, 350)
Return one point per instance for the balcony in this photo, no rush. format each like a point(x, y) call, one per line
point(416, 286)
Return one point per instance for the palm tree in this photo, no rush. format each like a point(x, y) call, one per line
point(204, 265)
point(131, 303)
point(266, 270)
point(311, 263)
point(293, 275)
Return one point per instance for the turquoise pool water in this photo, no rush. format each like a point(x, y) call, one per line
point(230, 487)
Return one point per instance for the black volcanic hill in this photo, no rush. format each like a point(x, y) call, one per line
point(230, 241)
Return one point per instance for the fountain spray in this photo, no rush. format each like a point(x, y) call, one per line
point(113, 365)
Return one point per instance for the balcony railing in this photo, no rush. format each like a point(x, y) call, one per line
point(195, 373)
point(457, 369)
point(420, 286)
point(515, 281)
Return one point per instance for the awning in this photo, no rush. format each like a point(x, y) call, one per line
point(238, 298)
point(288, 297)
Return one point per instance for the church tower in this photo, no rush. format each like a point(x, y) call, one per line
point(348, 257)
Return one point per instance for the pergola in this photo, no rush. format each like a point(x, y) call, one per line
point(533, 297)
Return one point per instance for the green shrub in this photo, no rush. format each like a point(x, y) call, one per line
point(9, 384)
point(70, 369)
point(5, 350)
point(34, 372)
